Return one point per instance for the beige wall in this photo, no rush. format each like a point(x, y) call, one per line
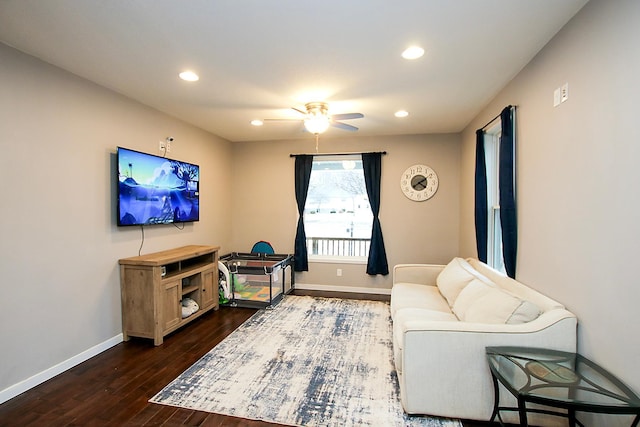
point(577, 179)
point(59, 245)
point(264, 208)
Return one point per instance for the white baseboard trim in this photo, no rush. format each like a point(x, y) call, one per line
point(19, 388)
point(334, 288)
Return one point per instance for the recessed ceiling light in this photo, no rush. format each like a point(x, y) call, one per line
point(257, 122)
point(413, 52)
point(189, 76)
point(401, 113)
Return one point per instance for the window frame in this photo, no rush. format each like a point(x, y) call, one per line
point(495, 256)
point(337, 259)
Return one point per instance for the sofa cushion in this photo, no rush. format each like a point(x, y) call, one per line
point(455, 277)
point(484, 302)
point(413, 295)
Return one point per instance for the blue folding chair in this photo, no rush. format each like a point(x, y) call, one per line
point(262, 247)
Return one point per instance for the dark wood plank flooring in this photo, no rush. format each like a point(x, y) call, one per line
point(113, 387)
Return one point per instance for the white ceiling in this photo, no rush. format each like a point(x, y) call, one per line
point(258, 58)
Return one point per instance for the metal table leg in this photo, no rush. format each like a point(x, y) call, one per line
point(522, 411)
point(496, 398)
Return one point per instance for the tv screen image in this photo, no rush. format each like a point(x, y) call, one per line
point(156, 190)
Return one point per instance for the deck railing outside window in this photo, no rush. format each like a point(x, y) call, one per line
point(338, 246)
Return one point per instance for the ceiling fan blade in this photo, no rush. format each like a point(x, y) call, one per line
point(344, 126)
point(347, 116)
point(282, 120)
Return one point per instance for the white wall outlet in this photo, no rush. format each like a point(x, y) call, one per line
point(564, 92)
point(556, 97)
point(164, 146)
point(339, 272)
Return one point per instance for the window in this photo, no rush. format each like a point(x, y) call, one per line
point(337, 214)
point(495, 193)
point(494, 229)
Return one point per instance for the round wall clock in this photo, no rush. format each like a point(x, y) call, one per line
point(419, 183)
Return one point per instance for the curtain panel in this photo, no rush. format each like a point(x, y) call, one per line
point(303, 164)
point(507, 193)
point(372, 166)
point(481, 208)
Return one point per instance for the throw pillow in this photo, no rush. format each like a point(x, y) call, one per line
point(455, 277)
point(469, 295)
point(484, 303)
point(526, 312)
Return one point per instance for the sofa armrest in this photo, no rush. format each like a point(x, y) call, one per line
point(423, 274)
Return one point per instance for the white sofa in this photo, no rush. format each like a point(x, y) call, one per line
point(443, 319)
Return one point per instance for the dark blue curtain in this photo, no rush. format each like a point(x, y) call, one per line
point(507, 193)
point(372, 165)
point(481, 208)
point(302, 177)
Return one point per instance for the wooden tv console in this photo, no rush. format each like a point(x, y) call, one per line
point(153, 286)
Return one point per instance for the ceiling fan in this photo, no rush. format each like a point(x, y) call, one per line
point(317, 119)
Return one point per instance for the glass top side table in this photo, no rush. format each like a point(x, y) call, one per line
point(560, 380)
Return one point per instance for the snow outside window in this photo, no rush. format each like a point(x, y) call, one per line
point(337, 215)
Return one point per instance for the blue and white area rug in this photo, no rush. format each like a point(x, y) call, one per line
point(308, 362)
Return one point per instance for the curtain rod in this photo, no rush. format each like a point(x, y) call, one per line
point(337, 154)
point(496, 117)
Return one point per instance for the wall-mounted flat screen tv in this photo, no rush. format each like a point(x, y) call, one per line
point(156, 190)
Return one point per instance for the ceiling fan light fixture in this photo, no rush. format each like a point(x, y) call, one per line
point(189, 76)
point(317, 124)
point(413, 52)
point(317, 120)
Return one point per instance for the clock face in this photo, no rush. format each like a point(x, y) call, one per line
point(419, 183)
